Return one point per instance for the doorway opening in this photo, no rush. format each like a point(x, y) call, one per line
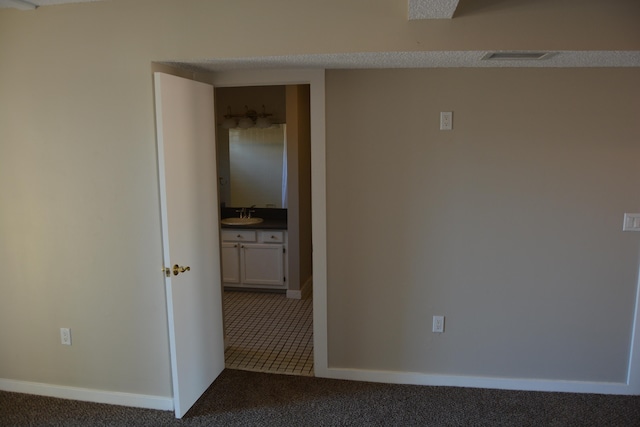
point(267, 266)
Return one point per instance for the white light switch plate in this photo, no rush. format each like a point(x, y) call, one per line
point(438, 324)
point(446, 120)
point(631, 222)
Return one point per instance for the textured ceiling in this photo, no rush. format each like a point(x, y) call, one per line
point(432, 9)
point(31, 4)
point(417, 9)
point(417, 60)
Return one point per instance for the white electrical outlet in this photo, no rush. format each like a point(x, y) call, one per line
point(438, 324)
point(65, 336)
point(446, 120)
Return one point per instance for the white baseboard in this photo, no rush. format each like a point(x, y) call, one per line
point(88, 395)
point(166, 403)
point(294, 294)
point(304, 292)
point(480, 382)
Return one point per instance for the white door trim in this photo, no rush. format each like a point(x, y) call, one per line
point(633, 374)
point(315, 78)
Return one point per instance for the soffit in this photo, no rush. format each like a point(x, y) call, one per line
point(459, 59)
point(417, 9)
point(431, 9)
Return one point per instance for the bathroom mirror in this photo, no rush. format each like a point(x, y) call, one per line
point(252, 167)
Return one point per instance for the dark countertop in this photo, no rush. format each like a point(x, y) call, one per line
point(267, 224)
point(273, 219)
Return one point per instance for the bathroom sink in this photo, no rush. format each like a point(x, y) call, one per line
point(241, 221)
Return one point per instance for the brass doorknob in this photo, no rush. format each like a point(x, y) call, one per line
point(177, 269)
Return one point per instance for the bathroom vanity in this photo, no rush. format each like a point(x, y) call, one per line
point(258, 180)
point(254, 255)
point(254, 258)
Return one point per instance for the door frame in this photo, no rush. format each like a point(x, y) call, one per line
point(315, 78)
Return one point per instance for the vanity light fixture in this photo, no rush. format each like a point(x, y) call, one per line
point(263, 120)
point(249, 119)
point(229, 121)
point(245, 122)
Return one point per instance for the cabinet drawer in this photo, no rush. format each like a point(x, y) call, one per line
point(239, 235)
point(272, 236)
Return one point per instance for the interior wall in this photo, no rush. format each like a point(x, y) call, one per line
point(510, 225)
point(79, 215)
point(299, 184)
point(293, 186)
point(304, 182)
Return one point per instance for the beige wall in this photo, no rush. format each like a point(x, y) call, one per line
point(79, 208)
point(299, 184)
point(509, 225)
point(304, 180)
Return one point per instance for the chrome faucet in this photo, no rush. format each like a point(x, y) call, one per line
point(246, 212)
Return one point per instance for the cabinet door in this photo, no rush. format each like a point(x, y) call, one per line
point(262, 264)
point(230, 262)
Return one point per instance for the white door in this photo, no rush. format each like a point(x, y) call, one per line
point(185, 124)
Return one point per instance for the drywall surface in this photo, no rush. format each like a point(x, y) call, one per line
point(79, 207)
point(510, 225)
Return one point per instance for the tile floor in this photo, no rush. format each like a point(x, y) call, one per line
point(268, 332)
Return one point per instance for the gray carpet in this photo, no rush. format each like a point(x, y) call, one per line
point(240, 398)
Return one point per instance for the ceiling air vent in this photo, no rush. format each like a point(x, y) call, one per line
point(514, 56)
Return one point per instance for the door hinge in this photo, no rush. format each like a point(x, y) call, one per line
point(284, 279)
point(284, 250)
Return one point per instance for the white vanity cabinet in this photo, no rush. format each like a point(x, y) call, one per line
point(254, 258)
